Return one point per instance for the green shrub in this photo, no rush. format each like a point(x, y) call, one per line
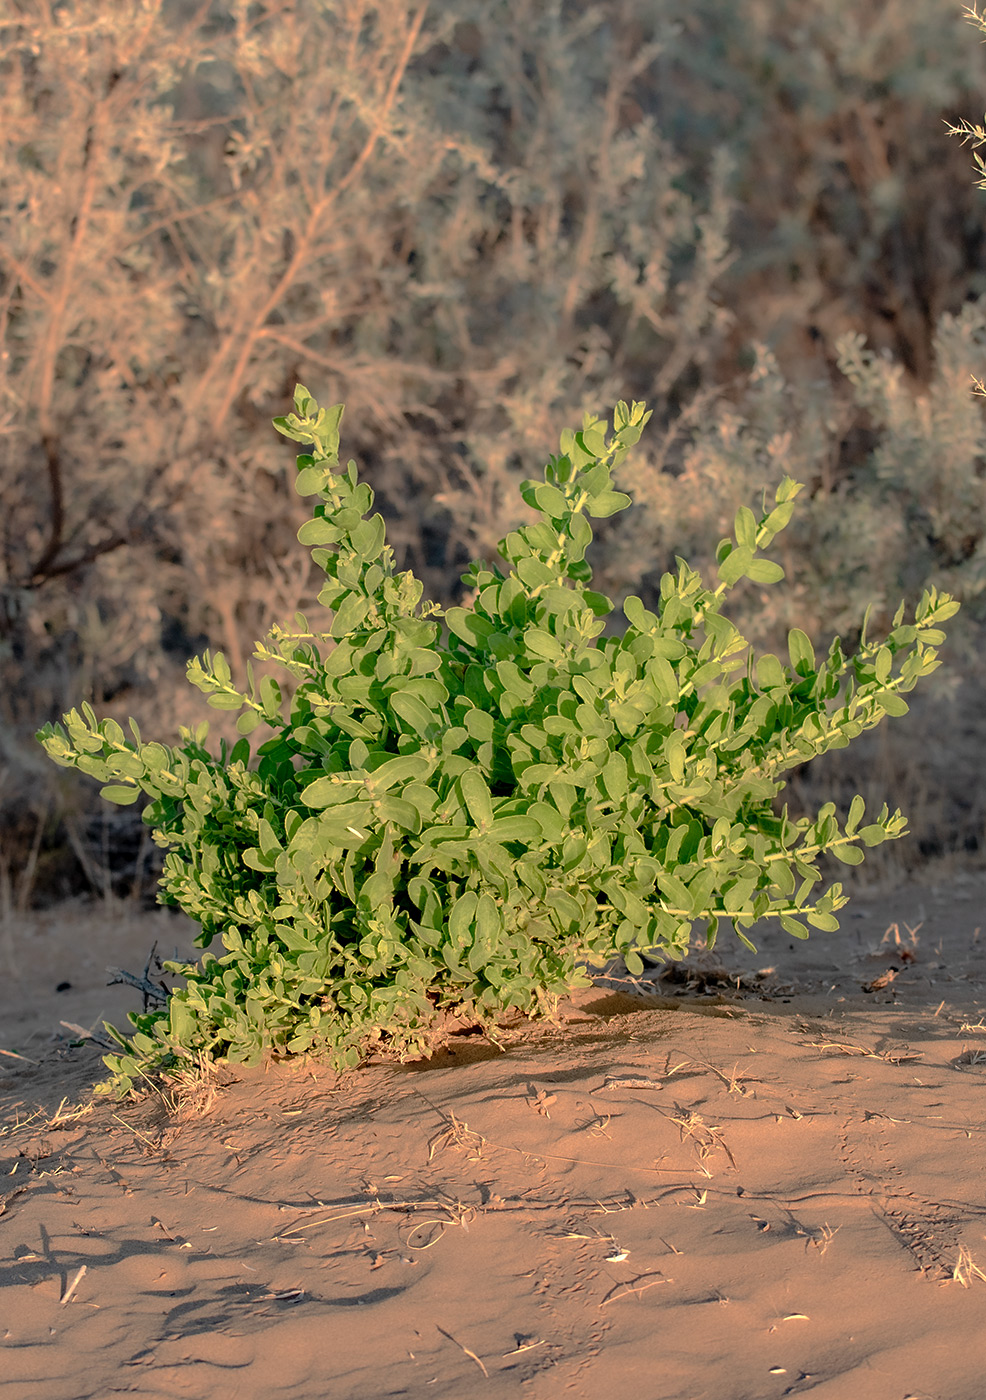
point(458, 827)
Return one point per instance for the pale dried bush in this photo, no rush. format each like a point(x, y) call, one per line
point(468, 223)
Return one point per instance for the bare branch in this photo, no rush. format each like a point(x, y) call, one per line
point(322, 207)
point(158, 995)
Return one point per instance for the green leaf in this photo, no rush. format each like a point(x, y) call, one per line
point(827, 922)
point(627, 718)
point(565, 911)
point(543, 644)
point(270, 697)
point(351, 612)
point(892, 703)
point(415, 713)
point(367, 539)
point(122, 796)
point(319, 531)
point(849, 855)
point(783, 877)
point(593, 441)
point(248, 722)
point(801, 652)
point(788, 489)
point(770, 673)
point(615, 777)
point(312, 479)
point(674, 753)
point(399, 770)
point(267, 838)
point(674, 889)
point(476, 796)
point(111, 732)
point(324, 792)
point(225, 701)
point(764, 571)
point(736, 898)
point(479, 725)
point(125, 765)
point(468, 626)
point(607, 503)
point(776, 521)
point(745, 528)
point(559, 601)
point(638, 616)
point(598, 602)
point(552, 501)
point(550, 822)
point(535, 573)
point(735, 565)
point(664, 680)
point(488, 921)
point(596, 479)
point(515, 829)
point(461, 917)
point(400, 813)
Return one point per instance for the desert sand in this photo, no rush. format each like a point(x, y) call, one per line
point(745, 1177)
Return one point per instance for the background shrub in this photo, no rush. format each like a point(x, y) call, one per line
point(469, 224)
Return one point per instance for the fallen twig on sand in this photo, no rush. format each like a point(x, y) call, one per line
point(83, 1034)
point(637, 1287)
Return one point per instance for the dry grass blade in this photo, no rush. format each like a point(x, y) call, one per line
point(894, 930)
point(458, 1213)
point(471, 1354)
point(10, 1196)
point(731, 1081)
point(72, 1114)
point(819, 1239)
point(706, 1136)
point(845, 1047)
point(965, 1269)
point(456, 1134)
point(20, 1124)
point(525, 1346)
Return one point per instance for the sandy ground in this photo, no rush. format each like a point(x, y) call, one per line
point(762, 1177)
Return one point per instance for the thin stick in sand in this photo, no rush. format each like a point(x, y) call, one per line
point(66, 1296)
